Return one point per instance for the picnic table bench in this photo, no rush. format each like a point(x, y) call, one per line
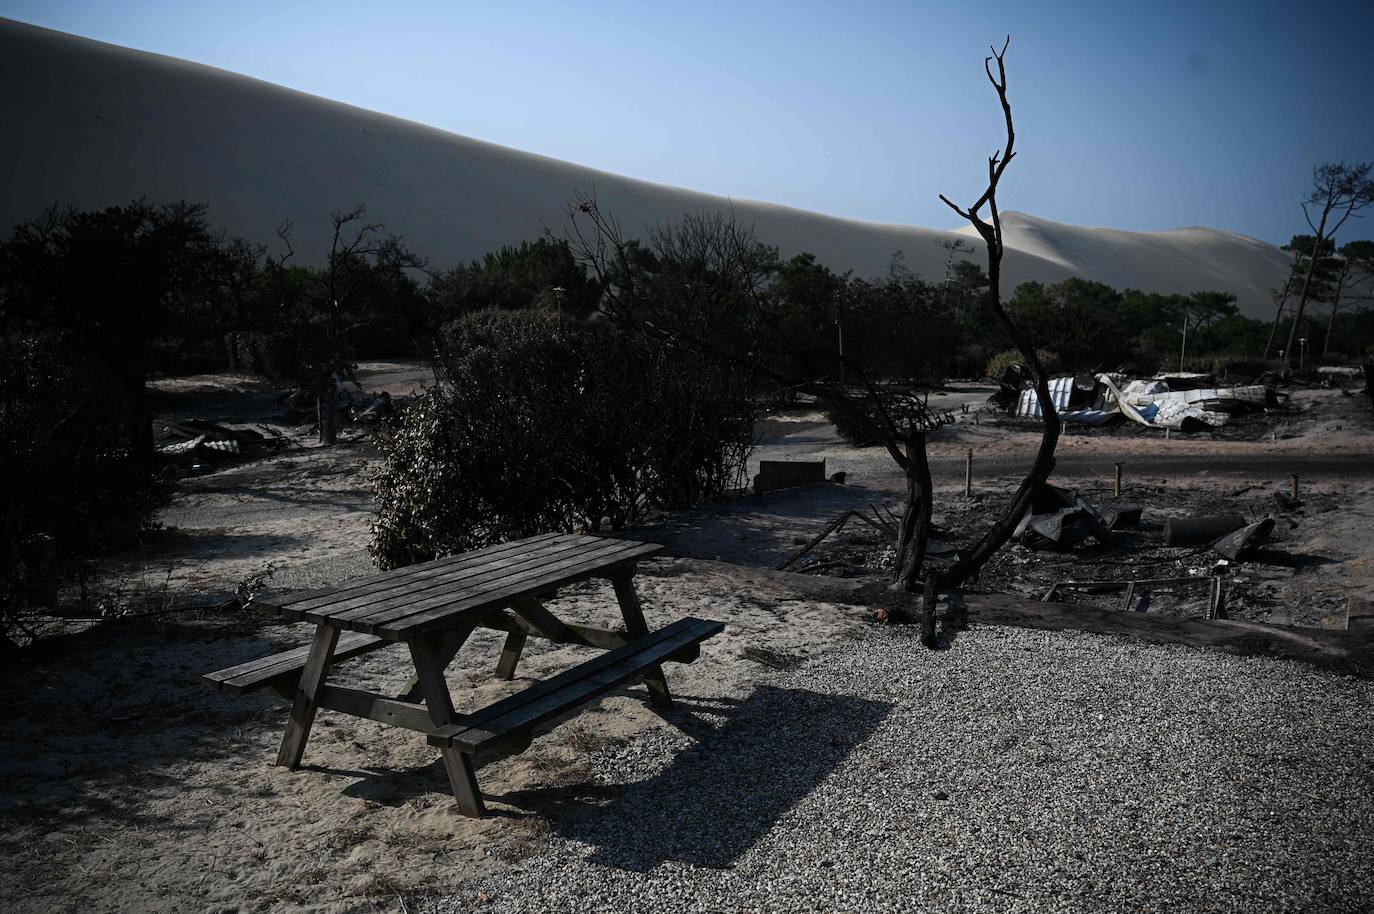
point(432, 608)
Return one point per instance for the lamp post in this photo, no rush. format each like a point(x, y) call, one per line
point(1183, 351)
point(839, 326)
point(558, 301)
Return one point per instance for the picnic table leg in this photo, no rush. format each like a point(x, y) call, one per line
point(429, 670)
point(307, 698)
point(635, 626)
point(453, 641)
point(510, 655)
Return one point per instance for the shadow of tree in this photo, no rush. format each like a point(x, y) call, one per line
point(133, 694)
point(721, 795)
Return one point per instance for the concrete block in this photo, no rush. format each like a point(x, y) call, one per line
point(784, 474)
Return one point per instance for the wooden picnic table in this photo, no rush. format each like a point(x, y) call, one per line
point(432, 608)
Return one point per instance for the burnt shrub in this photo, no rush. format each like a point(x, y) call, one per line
point(71, 483)
point(535, 427)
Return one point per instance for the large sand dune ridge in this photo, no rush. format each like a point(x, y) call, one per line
point(93, 124)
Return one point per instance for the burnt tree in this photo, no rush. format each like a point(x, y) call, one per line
point(973, 559)
point(702, 285)
point(323, 311)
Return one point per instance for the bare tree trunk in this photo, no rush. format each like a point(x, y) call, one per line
point(1335, 304)
point(929, 599)
point(1306, 286)
point(1330, 326)
point(326, 404)
point(914, 533)
point(974, 559)
point(1278, 315)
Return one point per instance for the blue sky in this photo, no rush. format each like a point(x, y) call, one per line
point(1146, 115)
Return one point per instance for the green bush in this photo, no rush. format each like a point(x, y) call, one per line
point(535, 427)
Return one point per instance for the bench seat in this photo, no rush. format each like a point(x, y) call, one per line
point(280, 670)
point(508, 723)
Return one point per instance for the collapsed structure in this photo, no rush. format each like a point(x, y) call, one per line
point(1184, 401)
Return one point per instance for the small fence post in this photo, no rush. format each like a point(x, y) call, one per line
point(1295, 486)
point(1116, 491)
point(968, 475)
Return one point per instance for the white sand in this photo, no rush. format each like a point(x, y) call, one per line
point(97, 125)
point(127, 786)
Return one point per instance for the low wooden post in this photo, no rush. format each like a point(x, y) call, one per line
point(1295, 486)
point(968, 474)
point(1116, 490)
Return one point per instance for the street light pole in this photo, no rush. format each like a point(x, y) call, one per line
point(839, 325)
point(1182, 352)
point(558, 298)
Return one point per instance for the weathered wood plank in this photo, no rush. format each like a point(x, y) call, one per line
point(545, 622)
point(359, 703)
point(636, 627)
point(510, 655)
point(572, 689)
point(579, 690)
point(307, 697)
point(450, 642)
point(404, 583)
point(584, 635)
point(425, 653)
point(276, 601)
point(545, 686)
point(540, 574)
point(592, 636)
point(264, 672)
point(410, 622)
point(477, 582)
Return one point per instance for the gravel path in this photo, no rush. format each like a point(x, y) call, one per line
point(1015, 771)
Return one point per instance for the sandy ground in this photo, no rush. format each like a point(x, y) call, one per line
point(131, 787)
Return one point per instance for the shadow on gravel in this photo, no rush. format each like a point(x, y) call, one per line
point(720, 796)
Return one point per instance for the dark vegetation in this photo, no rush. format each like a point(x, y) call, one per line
point(1339, 191)
point(568, 419)
point(536, 426)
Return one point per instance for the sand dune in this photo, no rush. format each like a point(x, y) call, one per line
point(95, 124)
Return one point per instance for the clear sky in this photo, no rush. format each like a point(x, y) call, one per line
point(1137, 115)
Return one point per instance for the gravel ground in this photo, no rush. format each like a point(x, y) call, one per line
point(1015, 771)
